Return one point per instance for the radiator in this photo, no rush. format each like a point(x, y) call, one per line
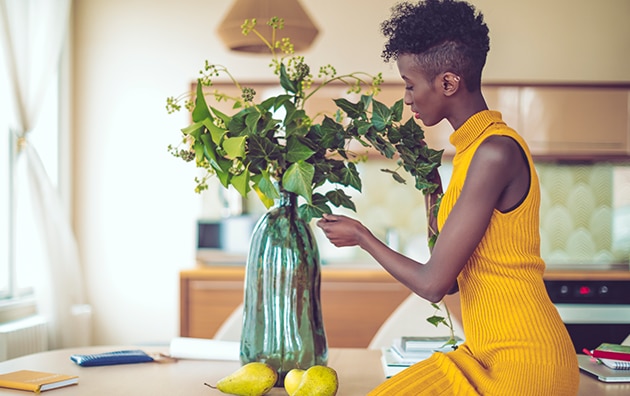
point(22, 337)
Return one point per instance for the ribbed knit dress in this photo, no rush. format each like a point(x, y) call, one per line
point(516, 343)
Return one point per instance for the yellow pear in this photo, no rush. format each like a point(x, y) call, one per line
point(292, 380)
point(252, 379)
point(318, 381)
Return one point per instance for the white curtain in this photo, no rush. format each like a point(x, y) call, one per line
point(32, 34)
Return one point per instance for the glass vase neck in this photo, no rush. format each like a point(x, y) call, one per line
point(287, 198)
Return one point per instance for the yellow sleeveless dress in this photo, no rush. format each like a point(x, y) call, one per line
point(516, 343)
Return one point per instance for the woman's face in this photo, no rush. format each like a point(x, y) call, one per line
point(423, 96)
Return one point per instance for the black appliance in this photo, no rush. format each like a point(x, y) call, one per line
point(593, 311)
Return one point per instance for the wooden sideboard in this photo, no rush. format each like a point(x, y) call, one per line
point(355, 302)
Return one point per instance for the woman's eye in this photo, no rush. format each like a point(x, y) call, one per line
point(409, 88)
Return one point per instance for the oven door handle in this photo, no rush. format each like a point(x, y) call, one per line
point(594, 313)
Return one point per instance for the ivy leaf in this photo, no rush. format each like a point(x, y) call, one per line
point(234, 147)
point(350, 176)
point(200, 112)
point(435, 320)
point(397, 110)
point(298, 179)
point(315, 209)
point(265, 189)
point(381, 115)
point(216, 132)
point(195, 130)
point(432, 241)
point(222, 116)
point(241, 183)
point(331, 134)
point(285, 81)
point(251, 121)
point(395, 175)
point(353, 110)
point(339, 198)
point(261, 151)
point(412, 131)
point(297, 151)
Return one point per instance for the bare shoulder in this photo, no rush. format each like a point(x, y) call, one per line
point(499, 148)
point(497, 160)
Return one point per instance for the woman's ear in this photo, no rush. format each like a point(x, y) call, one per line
point(450, 83)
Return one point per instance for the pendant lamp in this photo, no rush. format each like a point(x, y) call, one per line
point(297, 24)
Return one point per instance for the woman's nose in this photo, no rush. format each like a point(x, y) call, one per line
point(408, 99)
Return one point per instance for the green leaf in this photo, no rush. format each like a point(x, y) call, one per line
point(267, 186)
point(381, 115)
point(315, 209)
point(432, 241)
point(350, 176)
point(234, 147)
point(330, 135)
point(412, 131)
point(340, 198)
point(297, 151)
point(241, 183)
point(251, 120)
point(397, 110)
point(193, 129)
point(224, 117)
point(209, 149)
point(264, 188)
point(216, 132)
point(353, 110)
point(261, 152)
point(395, 175)
point(198, 147)
point(436, 320)
point(298, 179)
point(285, 82)
point(200, 112)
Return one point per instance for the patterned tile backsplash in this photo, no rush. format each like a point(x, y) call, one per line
point(585, 212)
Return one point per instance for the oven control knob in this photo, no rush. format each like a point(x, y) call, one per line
point(603, 289)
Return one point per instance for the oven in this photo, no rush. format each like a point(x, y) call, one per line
point(593, 311)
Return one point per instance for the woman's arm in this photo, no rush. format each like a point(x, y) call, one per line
point(496, 164)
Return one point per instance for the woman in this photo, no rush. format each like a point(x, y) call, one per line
point(489, 242)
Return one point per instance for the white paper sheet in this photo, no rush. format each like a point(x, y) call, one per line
point(204, 349)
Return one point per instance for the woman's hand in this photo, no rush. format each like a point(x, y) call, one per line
point(342, 231)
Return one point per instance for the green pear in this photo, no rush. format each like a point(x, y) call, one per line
point(318, 381)
point(292, 380)
point(252, 379)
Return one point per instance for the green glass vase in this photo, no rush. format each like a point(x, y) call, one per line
point(282, 320)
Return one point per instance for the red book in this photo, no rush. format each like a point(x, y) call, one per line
point(612, 351)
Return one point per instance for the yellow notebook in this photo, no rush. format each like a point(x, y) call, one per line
point(36, 381)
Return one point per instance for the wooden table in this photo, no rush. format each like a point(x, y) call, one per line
point(359, 371)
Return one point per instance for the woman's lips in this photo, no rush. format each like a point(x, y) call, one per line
point(416, 115)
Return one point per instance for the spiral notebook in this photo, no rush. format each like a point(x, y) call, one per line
point(601, 372)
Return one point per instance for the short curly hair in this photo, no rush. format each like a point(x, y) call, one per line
point(444, 35)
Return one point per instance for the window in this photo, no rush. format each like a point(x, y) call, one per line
point(5, 190)
point(20, 241)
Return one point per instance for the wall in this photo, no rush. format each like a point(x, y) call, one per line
point(134, 209)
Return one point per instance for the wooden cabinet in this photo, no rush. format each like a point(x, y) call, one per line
point(569, 121)
point(355, 302)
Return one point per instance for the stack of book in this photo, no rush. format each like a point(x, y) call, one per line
point(614, 356)
point(406, 351)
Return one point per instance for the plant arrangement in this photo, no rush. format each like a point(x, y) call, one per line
point(272, 144)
